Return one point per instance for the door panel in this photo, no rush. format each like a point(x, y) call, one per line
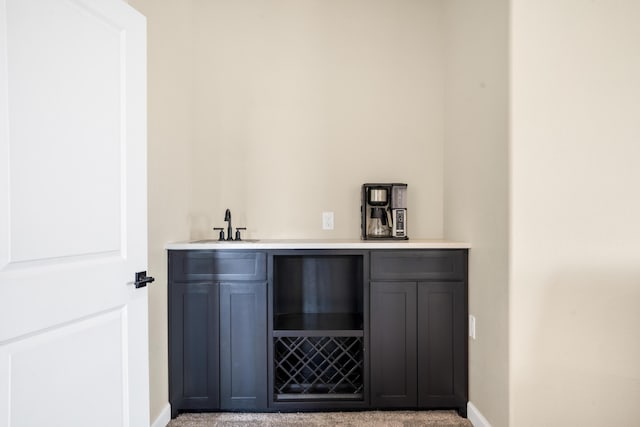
point(243, 344)
point(442, 338)
point(75, 135)
point(393, 344)
point(71, 358)
point(194, 351)
point(73, 328)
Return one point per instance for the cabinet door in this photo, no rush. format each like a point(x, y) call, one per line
point(442, 345)
point(243, 345)
point(193, 348)
point(393, 344)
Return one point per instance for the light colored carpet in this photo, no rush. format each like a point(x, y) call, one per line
point(324, 419)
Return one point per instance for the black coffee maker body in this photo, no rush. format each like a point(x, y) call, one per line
point(383, 212)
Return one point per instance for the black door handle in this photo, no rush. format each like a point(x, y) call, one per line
point(142, 279)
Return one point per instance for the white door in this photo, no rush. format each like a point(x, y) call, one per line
point(73, 327)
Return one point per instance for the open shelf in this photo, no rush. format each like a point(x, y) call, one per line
point(308, 286)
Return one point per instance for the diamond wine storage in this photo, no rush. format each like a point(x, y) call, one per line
point(317, 329)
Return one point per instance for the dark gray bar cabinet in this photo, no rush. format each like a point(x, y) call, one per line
point(271, 329)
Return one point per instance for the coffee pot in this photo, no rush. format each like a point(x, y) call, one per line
point(378, 223)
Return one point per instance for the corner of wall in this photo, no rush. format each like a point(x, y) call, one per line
point(476, 177)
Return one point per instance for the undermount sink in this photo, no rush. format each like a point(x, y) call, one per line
point(226, 241)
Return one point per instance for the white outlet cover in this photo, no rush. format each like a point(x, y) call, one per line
point(472, 327)
point(327, 220)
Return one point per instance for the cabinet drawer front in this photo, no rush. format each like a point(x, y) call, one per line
point(419, 264)
point(217, 265)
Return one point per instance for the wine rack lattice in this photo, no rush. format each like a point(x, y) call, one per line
point(318, 367)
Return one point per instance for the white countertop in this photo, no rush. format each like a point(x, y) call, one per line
point(319, 244)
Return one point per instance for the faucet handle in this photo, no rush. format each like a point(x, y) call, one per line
point(221, 236)
point(238, 232)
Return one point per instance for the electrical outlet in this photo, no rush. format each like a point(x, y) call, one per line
point(327, 220)
point(472, 326)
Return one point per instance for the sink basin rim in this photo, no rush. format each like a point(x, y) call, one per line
point(225, 241)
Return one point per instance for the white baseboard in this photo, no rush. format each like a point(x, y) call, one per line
point(164, 417)
point(476, 418)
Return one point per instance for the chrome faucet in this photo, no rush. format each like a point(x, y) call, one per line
point(227, 217)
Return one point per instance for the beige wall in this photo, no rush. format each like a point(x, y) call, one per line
point(300, 102)
point(476, 185)
point(169, 140)
point(306, 96)
point(575, 202)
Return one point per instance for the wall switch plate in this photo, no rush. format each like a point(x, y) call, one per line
point(472, 326)
point(327, 220)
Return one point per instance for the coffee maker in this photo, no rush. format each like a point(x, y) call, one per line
point(383, 211)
